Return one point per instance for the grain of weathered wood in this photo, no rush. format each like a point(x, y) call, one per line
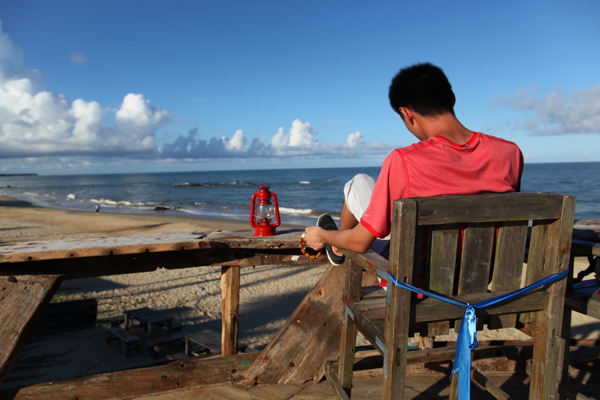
point(440, 270)
point(430, 309)
point(369, 261)
point(510, 248)
point(128, 384)
point(476, 257)
point(352, 293)
point(230, 291)
point(445, 209)
point(22, 299)
point(142, 253)
point(139, 244)
point(309, 337)
point(404, 265)
point(549, 348)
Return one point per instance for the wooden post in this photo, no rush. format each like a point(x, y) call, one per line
point(230, 292)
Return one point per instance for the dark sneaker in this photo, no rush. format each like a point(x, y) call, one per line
point(326, 222)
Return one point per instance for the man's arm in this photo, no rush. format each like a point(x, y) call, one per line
point(357, 239)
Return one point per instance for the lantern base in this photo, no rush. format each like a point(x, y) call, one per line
point(265, 230)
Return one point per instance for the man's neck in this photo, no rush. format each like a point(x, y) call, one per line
point(445, 125)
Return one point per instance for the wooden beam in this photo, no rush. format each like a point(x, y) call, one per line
point(441, 209)
point(148, 243)
point(309, 337)
point(134, 383)
point(143, 253)
point(22, 299)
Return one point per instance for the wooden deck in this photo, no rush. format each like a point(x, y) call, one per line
point(289, 368)
point(223, 378)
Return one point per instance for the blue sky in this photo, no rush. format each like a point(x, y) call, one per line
point(144, 86)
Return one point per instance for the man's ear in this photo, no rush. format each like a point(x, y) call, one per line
point(409, 117)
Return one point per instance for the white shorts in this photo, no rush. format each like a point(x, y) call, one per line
point(357, 195)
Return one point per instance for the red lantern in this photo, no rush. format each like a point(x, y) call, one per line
point(264, 215)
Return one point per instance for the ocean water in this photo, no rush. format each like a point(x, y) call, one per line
point(303, 194)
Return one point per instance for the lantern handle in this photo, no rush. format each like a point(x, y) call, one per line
point(276, 207)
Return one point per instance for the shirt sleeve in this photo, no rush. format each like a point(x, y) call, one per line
point(392, 184)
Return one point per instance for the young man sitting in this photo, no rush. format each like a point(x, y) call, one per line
point(448, 159)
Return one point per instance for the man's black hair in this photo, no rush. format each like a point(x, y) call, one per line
point(424, 88)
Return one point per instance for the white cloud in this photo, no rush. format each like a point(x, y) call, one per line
point(558, 113)
point(77, 58)
point(353, 139)
point(35, 122)
point(300, 141)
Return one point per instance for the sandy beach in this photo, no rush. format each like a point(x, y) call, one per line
point(192, 296)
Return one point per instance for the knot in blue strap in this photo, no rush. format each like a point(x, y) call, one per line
point(467, 334)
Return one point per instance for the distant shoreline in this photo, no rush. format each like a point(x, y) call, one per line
point(18, 174)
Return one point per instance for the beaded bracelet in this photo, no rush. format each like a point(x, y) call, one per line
point(305, 252)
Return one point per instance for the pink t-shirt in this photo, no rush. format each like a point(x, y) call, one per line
point(437, 166)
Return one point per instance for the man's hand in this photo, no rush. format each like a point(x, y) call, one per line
point(357, 239)
point(313, 238)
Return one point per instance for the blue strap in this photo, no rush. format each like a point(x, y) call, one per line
point(467, 334)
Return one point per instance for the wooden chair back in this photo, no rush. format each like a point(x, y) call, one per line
point(470, 248)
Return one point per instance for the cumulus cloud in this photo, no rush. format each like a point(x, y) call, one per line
point(354, 139)
point(35, 122)
point(558, 112)
point(299, 141)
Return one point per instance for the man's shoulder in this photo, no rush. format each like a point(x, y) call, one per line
point(495, 139)
point(431, 142)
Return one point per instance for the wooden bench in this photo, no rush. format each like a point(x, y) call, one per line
point(117, 320)
point(128, 339)
point(207, 340)
point(155, 342)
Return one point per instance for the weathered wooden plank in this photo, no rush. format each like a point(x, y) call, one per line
point(476, 258)
point(371, 328)
point(539, 253)
point(369, 261)
point(22, 299)
point(139, 244)
point(404, 264)
point(230, 292)
point(133, 383)
point(352, 293)
point(549, 349)
point(440, 270)
point(489, 385)
point(499, 207)
point(309, 337)
point(508, 265)
point(89, 267)
point(430, 309)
